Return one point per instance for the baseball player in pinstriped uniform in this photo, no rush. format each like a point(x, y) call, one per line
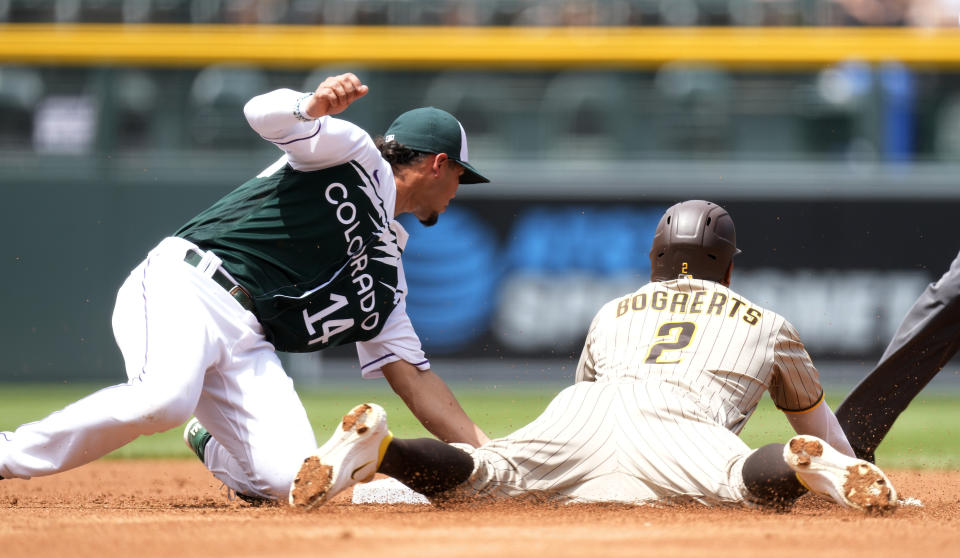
point(668, 376)
point(303, 257)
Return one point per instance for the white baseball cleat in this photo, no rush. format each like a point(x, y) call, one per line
point(350, 456)
point(848, 481)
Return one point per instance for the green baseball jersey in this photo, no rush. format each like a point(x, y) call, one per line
point(309, 246)
point(313, 240)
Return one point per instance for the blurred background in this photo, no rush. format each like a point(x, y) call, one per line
point(832, 135)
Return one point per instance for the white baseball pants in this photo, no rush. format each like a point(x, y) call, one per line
point(189, 349)
point(615, 442)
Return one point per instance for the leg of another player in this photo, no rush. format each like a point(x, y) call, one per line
point(926, 340)
point(427, 466)
point(769, 480)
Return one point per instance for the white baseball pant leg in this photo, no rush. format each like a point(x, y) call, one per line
point(610, 442)
point(570, 445)
point(677, 448)
point(187, 346)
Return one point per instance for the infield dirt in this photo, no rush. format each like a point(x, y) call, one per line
point(177, 509)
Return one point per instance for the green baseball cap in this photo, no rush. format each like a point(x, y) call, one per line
point(433, 130)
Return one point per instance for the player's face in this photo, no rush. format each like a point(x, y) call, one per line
point(440, 186)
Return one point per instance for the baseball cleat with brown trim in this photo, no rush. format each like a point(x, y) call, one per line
point(848, 481)
point(350, 456)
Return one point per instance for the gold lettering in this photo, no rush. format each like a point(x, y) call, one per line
point(737, 303)
point(679, 302)
point(639, 302)
point(697, 302)
point(658, 300)
point(753, 316)
point(622, 307)
point(716, 303)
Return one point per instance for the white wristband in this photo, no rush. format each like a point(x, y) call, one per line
point(298, 112)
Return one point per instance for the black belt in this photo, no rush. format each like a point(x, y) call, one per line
point(220, 277)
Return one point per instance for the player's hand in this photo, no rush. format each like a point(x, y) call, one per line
point(334, 95)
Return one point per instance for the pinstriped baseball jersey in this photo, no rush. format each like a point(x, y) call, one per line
point(698, 338)
point(668, 376)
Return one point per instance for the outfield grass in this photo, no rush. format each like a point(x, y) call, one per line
point(927, 436)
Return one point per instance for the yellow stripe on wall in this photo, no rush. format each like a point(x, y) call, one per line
point(480, 47)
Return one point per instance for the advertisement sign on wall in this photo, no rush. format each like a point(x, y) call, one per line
point(524, 278)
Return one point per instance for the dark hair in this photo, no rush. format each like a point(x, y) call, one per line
point(396, 153)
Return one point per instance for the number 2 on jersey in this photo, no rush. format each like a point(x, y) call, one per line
point(678, 335)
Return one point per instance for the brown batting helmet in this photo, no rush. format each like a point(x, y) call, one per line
point(694, 238)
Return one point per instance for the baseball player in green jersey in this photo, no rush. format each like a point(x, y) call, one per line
point(668, 376)
point(305, 256)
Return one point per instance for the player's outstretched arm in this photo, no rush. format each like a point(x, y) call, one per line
point(432, 402)
point(334, 95)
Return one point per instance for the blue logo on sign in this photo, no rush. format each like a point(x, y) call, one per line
point(458, 278)
point(596, 239)
point(452, 270)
